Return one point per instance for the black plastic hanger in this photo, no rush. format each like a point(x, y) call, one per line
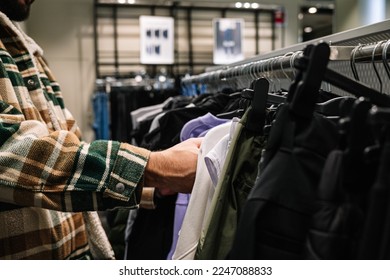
point(313, 70)
point(332, 107)
point(274, 98)
point(257, 116)
point(313, 64)
point(245, 94)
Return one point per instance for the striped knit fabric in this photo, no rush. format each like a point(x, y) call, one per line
point(45, 167)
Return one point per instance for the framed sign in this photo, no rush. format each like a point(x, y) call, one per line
point(157, 40)
point(227, 40)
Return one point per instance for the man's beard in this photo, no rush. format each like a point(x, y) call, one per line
point(14, 10)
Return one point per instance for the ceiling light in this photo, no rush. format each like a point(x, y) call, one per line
point(238, 5)
point(308, 29)
point(247, 5)
point(121, 1)
point(312, 10)
point(255, 5)
point(131, 1)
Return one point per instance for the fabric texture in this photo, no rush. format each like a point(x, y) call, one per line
point(276, 218)
point(198, 127)
point(216, 157)
point(337, 220)
point(374, 243)
point(199, 202)
point(151, 234)
point(180, 211)
point(193, 128)
point(45, 167)
point(237, 179)
point(171, 123)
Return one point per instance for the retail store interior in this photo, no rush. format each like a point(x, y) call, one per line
point(196, 130)
point(82, 45)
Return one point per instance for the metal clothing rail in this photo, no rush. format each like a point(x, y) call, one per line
point(279, 67)
point(351, 54)
point(379, 51)
point(282, 66)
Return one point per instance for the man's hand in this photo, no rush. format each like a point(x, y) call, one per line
point(173, 170)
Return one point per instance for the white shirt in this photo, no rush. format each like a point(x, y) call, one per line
point(200, 197)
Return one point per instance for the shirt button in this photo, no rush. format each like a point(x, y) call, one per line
point(120, 187)
point(30, 84)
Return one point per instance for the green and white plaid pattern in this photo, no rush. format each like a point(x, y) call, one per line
point(46, 167)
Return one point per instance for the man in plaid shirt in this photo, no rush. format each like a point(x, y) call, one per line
point(51, 182)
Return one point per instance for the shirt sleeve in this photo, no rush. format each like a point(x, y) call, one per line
point(55, 170)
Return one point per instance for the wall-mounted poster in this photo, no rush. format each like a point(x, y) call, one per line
point(227, 40)
point(157, 42)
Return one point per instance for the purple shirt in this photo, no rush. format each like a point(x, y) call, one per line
point(198, 127)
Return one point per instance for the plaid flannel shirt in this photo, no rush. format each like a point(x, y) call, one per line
point(48, 175)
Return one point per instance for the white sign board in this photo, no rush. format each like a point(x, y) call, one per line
point(157, 40)
point(227, 40)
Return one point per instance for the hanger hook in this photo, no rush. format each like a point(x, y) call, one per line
point(292, 61)
point(384, 58)
point(243, 70)
point(247, 72)
point(373, 64)
point(353, 62)
point(269, 70)
point(281, 65)
point(235, 76)
point(260, 69)
point(270, 73)
point(278, 83)
point(252, 71)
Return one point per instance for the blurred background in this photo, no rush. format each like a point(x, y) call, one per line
point(87, 40)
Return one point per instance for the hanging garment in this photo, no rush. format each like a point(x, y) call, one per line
point(337, 220)
point(161, 219)
point(151, 235)
point(340, 204)
point(237, 179)
point(200, 126)
point(199, 202)
point(141, 112)
point(120, 102)
point(375, 241)
point(129, 228)
point(383, 183)
point(191, 129)
point(172, 122)
point(180, 211)
point(275, 220)
point(124, 100)
point(144, 115)
point(101, 125)
point(116, 222)
point(216, 157)
point(149, 121)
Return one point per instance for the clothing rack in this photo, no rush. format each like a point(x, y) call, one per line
point(159, 82)
point(279, 67)
point(360, 53)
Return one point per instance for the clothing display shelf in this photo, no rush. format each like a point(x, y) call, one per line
point(361, 53)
